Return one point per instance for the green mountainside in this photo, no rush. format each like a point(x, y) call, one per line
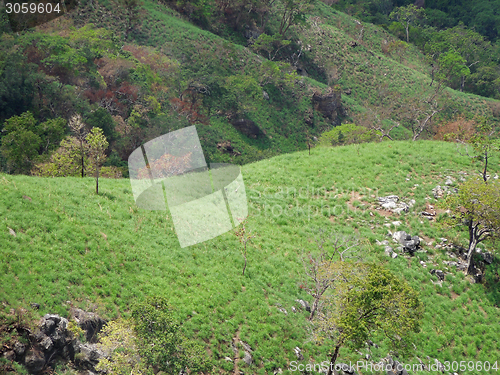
point(63, 246)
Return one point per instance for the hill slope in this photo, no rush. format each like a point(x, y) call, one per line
point(62, 245)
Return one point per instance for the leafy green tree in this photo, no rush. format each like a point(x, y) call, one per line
point(407, 15)
point(292, 12)
point(97, 145)
point(161, 341)
point(366, 298)
point(477, 206)
point(271, 44)
point(65, 161)
point(21, 143)
point(119, 339)
point(51, 132)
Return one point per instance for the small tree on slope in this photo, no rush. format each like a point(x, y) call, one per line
point(367, 298)
point(477, 206)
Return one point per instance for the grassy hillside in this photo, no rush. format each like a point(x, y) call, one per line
point(62, 246)
point(235, 79)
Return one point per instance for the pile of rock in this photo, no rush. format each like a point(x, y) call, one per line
point(52, 340)
point(392, 203)
point(409, 244)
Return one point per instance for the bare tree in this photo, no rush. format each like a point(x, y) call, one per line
point(320, 276)
point(80, 131)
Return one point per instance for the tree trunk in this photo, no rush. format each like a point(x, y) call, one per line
point(314, 308)
point(472, 247)
point(485, 166)
point(97, 180)
point(333, 359)
point(407, 32)
point(81, 152)
point(462, 84)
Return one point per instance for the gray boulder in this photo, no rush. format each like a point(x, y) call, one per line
point(304, 304)
point(439, 274)
point(410, 244)
point(34, 361)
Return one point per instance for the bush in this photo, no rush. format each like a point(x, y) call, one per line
point(347, 134)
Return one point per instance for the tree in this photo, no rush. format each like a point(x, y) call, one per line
point(80, 131)
point(320, 270)
point(407, 15)
point(292, 12)
point(477, 206)
point(367, 298)
point(244, 237)
point(119, 340)
point(51, 133)
point(97, 146)
point(65, 161)
point(21, 143)
point(161, 342)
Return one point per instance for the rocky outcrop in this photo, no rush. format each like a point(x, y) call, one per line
point(53, 340)
point(394, 204)
point(409, 243)
point(226, 148)
point(246, 127)
point(329, 104)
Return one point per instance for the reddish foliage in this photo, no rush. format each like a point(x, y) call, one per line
point(166, 166)
point(458, 129)
point(157, 61)
point(189, 109)
point(114, 99)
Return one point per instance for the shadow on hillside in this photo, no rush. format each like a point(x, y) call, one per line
point(492, 282)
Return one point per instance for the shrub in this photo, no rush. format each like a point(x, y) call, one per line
point(347, 134)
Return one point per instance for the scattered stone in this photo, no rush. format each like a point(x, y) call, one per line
point(304, 304)
point(228, 359)
point(35, 305)
point(298, 353)
point(371, 343)
point(265, 95)
point(396, 223)
point(394, 255)
point(382, 243)
point(248, 358)
point(388, 251)
point(423, 264)
point(449, 181)
point(283, 310)
point(12, 233)
point(9, 355)
point(439, 274)
point(487, 257)
point(409, 243)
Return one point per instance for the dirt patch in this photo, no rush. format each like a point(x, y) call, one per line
point(454, 296)
point(484, 312)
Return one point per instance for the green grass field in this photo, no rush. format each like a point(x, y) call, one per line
point(74, 248)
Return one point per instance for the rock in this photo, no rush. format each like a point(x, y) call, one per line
point(487, 257)
point(382, 243)
point(226, 148)
point(439, 274)
point(46, 343)
point(388, 251)
point(396, 223)
point(247, 127)
point(283, 310)
point(9, 355)
point(88, 356)
point(394, 255)
point(392, 203)
point(248, 358)
point(265, 95)
point(304, 304)
point(371, 343)
point(12, 232)
point(34, 361)
point(449, 182)
point(228, 359)
point(246, 346)
point(409, 243)
point(36, 306)
point(298, 353)
point(329, 104)
point(90, 322)
point(438, 192)
point(19, 348)
point(423, 263)
point(278, 371)
point(344, 369)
